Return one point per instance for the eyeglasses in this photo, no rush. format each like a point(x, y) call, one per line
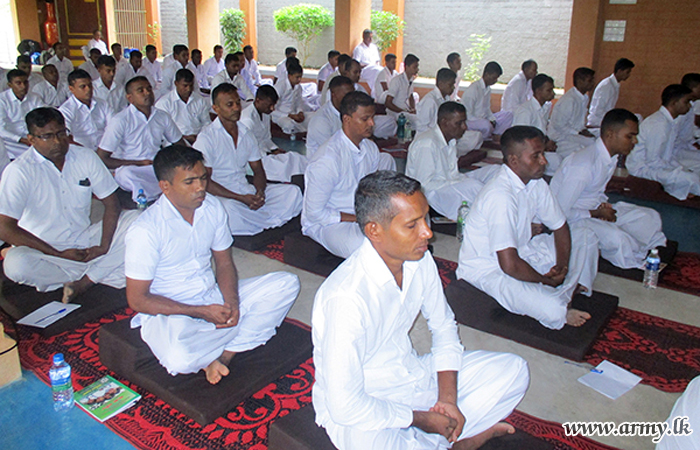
point(51, 136)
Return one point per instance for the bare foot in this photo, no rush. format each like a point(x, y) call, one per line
point(73, 289)
point(4, 251)
point(576, 318)
point(580, 289)
point(474, 442)
point(215, 371)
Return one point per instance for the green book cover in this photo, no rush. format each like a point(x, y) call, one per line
point(105, 398)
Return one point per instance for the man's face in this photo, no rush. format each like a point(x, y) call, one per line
point(412, 70)
point(233, 67)
point(490, 78)
point(588, 84)
point(196, 58)
point(683, 104)
point(367, 38)
point(94, 56)
point(622, 140)
point(531, 162)
point(25, 67)
point(183, 57)
point(50, 74)
point(82, 89)
point(623, 75)
point(97, 35)
point(106, 74)
point(446, 87)
point(339, 93)
point(334, 61)
point(19, 86)
point(360, 123)
point(117, 50)
point(50, 140)
point(354, 72)
point(184, 89)
point(696, 93)
point(249, 53)
point(135, 62)
point(406, 237)
point(218, 53)
point(294, 79)
point(456, 65)
point(545, 92)
point(60, 50)
point(454, 126)
point(141, 94)
point(530, 72)
point(228, 106)
point(151, 54)
point(264, 105)
point(391, 64)
point(187, 189)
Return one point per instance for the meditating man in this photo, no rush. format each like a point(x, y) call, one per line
point(90, 66)
point(86, 116)
point(153, 65)
point(454, 62)
point(118, 55)
point(687, 143)
point(181, 60)
point(625, 232)
point(477, 100)
point(15, 103)
point(189, 110)
point(607, 92)
point(567, 126)
point(289, 113)
point(24, 63)
point(432, 160)
point(381, 83)
point(134, 136)
point(655, 156)
point(519, 89)
point(528, 275)
point(400, 98)
point(327, 69)
point(279, 165)
point(326, 122)
point(372, 390)
point(51, 90)
point(194, 315)
point(332, 175)
point(61, 61)
point(215, 64)
point(45, 200)
point(106, 89)
point(133, 69)
point(231, 74)
point(229, 150)
point(250, 69)
point(281, 68)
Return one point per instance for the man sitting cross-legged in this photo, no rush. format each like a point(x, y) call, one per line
point(533, 276)
point(106, 89)
point(228, 150)
point(326, 122)
point(289, 113)
point(189, 110)
point(45, 200)
point(332, 175)
point(625, 232)
point(477, 100)
point(15, 103)
point(372, 390)
point(194, 316)
point(86, 116)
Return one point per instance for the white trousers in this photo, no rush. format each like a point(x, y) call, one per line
point(282, 167)
point(133, 178)
point(504, 119)
point(678, 182)
point(490, 385)
point(28, 266)
point(184, 344)
point(687, 405)
point(626, 242)
point(14, 149)
point(546, 304)
point(341, 238)
point(471, 140)
point(282, 202)
point(448, 199)
point(290, 126)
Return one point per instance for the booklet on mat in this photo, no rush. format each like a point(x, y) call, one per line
point(105, 398)
point(610, 380)
point(48, 314)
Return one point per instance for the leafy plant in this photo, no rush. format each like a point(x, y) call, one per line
point(232, 22)
point(481, 43)
point(153, 32)
point(303, 23)
point(387, 27)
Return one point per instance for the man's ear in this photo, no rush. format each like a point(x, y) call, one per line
point(374, 231)
point(164, 186)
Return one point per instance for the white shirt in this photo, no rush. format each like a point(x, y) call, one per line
point(51, 204)
point(432, 160)
point(604, 99)
point(201, 76)
point(127, 72)
point(50, 95)
point(427, 109)
point(517, 92)
point(290, 98)
point(13, 111)
point(154, 68)
point(401, 89)
point(168, 60)
point(130, 135)
point(332, 177)
point(212, 67)
point(228, 160)
point(64, 67)
point(323, 73)
point(385, 76)
point(323, 124)
point(115, 96)
point(237, 80)
point(86, 124)
point(252, 74)
point(281, 69)
point(189, 117)
point(34, 79)
point(366, 55)
point(501, 218)
point(169, 74)
point(655, 148)
point(532, 114)
point(121, 61)
point(259, 127)
point(366, 368)
point(99, 44)
point(579, 183)
point(325, 95)
point(568, 115)
point(686, 127)
point(477, 100)
point(90, 68)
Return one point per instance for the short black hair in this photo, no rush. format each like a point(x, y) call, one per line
point(340, 80)
point(615, 119)
point(267, 92)
point(388, 57)
point(24, 59)
point(40, 117)
point(16, 73)
point(150, 47)
point(229, 58)
point(55, 46)
point(289, 51)
point(106, 60)
point(354, 100)
point(348, 64)
point(449, 108)
point(239, 54)
point(291, 60)
point(410, 59)
point(690, 80)
point(184, 75)
point(95, 51)
point(493, 67)
point(46, 67)
point(582, 73)
point(116, 44)
point(127, 86)
point(673, 92)
point(374, 193)
point(172, 157)
point(78, 74)
point(179, 48)
point(219, 47)
point(623, 64)
point(223, 88)
point(342, 59)
point(452, 56)
point(445, 74)
point(540, 80)
point(526, 64)
point(333, 53)
point(517, 135)
point(247, 47)
point(136, 53)
point(196, 51)
point(294, 68)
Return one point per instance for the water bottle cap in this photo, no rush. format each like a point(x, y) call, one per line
point(655, 251)
point(58, 358)
point(464, 202)
point(140, 191)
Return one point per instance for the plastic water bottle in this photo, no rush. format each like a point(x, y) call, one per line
point(401, 127)
point(651, 270)
point(461, 219)
point(141, 200)
point(407, 132)
point(61, 384)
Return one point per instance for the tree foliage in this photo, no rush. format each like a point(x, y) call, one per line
point(481, 43)
point(387, 27)
point(303, 23)
point(233, 27)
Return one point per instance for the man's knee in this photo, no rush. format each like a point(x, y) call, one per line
point(17, 262)
point(288, 284)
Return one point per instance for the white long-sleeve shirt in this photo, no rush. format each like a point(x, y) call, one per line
point(366, 54)
point(260, 127)
point(427, 109)
point(366, 368)
point(155, 69)
point(604, 99)
point(432, 160)
point(90, 68)
point(212, 67)
point(532, 114)
point(114, 96)
point(13, 126)
point(189, 117)
point(477, 100)
point(517, 92)
point(86, 123)
point(64, 67)
point(237, 80)
point(568, 115)
point(290, 98)
point(385, 76)
point(655, 148)
point(50, 95)
point(324, 124)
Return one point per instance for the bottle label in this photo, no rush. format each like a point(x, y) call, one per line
point(653, 265)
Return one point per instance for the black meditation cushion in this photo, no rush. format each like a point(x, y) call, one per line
point(265, 237)
point(476, 309)
point(124, 352)
point(305, 253)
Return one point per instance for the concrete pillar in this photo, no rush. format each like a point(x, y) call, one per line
point(152, 18)
point(584, 41)
point(351, 18)
point(203, 25)
point(251, 23)
point(26, 20)
point(396, 7)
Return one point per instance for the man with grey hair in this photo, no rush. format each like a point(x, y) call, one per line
point(367, 54)
point(372, 391)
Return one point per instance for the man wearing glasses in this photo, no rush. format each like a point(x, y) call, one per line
point(45, 200)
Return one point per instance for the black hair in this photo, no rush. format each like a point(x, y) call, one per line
point(289, 51)
point(267, 92)
point(40, 117)
point(223, 88)
point(294, 68)
point(340, 80)
point(333, 53)
point(342, 59)
point(540, 80)
point(291, 60)
point(179, 48)
point(106, 60)
point(623, 64)
point(185, 75)
point(196, 51)
point(16, 73)
point(449, 108)
point(493, 67)
point(95, 51)
point(615, 119)
point(247, 47)
point(78, 74)
point(517, 135)
point(116, 44)
point(452, 56)
point(673, 92)
point(136, 53)
point(374, 193)
point(354, 100)
point(690, 80)
point(150, 47)
point(229, 58)
point(388, 57)
point(526, 64)
point(217, 47)
point(127, 86)
point(172, 157)
point(445, 74)
point(582, 73)
point(410, 59)
point(24, 59)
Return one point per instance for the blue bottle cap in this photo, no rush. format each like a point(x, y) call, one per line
point(58, 358)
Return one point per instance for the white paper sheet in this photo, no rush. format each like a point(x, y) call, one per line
point(48, 314)
point(612, 381)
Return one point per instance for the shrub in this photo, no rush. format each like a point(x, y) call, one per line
point(303, 23)
point(232, 22)
point(480, 45)
point(387, 27)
